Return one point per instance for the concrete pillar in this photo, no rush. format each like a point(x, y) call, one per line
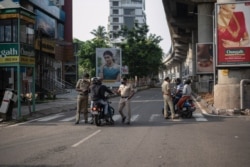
point(205, 22)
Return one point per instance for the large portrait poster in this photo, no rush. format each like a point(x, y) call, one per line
point(233, 27)
point(204, 57)
point(108, 66)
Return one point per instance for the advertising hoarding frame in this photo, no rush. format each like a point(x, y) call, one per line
point(234, 56)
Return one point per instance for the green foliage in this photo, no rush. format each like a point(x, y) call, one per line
point(141, 53)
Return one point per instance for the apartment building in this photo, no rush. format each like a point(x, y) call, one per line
point(124, 13)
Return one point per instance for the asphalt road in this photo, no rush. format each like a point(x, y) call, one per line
point(150, 140)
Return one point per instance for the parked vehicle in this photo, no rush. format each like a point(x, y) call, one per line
point(97, 112)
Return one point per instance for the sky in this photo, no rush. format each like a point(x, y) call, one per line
point(89, 14)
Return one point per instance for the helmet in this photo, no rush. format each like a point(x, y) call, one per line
point(85, 75)
point(94, 80)
point(99, 80)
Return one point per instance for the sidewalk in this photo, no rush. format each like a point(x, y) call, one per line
point(62, 103)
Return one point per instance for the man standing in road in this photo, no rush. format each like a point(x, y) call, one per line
point(166, 91)
point(82, 87)
point(127, 92)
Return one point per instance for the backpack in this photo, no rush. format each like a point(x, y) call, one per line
point(95, 92)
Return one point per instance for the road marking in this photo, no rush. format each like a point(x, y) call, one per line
point(134, 118)
point(116, 117)
point(68, 119)
point(199, 117)
point(50, 117)
point(86, 138)
point(153, 117)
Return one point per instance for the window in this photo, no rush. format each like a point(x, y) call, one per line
point(115, 28)
point(115, 3)
point(116, 19)
point(26, 32)
point(8, 30)
point(129, 11)
point(115, 11)
point(129, 22)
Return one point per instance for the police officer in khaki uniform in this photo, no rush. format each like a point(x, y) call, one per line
point(127, 92)
point(82, 87)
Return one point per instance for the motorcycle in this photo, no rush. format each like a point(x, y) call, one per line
point(98, 115)
point(187, 109)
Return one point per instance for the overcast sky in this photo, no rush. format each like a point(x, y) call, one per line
point(89, 14)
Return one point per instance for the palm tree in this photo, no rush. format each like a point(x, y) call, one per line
point(100, 33)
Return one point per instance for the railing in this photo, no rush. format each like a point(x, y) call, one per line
point(53, 86)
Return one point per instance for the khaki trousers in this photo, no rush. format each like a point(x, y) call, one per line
point(168, 101)
point(124, 103)
point(82, 105)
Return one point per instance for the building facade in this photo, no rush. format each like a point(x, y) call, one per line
point(43, 39)
point(36, 48)
point(124, 13)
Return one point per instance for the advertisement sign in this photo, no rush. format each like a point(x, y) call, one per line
point(9, 53)
point(45, 23)
point(232, 33)
point(108, 65)
point(204, 57)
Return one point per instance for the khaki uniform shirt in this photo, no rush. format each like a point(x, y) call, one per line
point(165, 87)
point(125, 90)
point(83, 84)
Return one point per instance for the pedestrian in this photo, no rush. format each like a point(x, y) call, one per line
point(168, 102)
point(82, 87)
point(186, 94)
point(126, 92)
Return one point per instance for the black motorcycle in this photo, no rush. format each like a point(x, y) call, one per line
point(97, 112)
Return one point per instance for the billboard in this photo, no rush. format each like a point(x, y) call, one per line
point(204, 57)
point(108, 65)
point(232, 34)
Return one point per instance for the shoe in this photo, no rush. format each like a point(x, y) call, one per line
point(167, 117)
point(86, 122)
point(76, 123)
point(123, 119)
point(128, 123)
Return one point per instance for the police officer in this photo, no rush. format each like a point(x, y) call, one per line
point(82, 87)
point(127, 92)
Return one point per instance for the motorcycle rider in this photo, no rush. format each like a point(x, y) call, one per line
point(97, 91)
point(178, 91)
point(186, 94)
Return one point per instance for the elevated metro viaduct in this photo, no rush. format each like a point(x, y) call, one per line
point(191, 22)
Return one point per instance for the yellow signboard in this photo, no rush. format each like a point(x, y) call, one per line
point(17, 59)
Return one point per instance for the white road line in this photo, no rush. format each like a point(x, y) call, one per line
point(199, 117)
point(68, 119)
point(153, 117)
point(86, 138)
point(116, 117)
point(134, 118)
point(50, 117)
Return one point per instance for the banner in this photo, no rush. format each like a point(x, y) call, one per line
point(108, 65)
point(204, 57)
point(233, 27)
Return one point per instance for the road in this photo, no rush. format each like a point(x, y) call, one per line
point(150, 140)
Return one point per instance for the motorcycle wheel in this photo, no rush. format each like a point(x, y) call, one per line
point(187, 114)
point(112, 111)
point(97, 120)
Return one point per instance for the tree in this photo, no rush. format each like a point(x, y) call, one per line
point(100, 33)
point(141, 53)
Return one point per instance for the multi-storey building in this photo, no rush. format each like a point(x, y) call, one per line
point(36, 48)
point(125, 13)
